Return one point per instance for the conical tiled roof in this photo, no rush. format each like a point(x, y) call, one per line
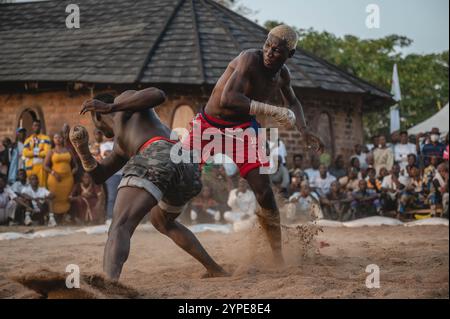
point(144, 41)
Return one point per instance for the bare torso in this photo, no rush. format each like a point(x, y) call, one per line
point(132, 130)
point(263, 87)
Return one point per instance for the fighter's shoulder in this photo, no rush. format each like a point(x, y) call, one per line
point(247, 58)
point(285, 73)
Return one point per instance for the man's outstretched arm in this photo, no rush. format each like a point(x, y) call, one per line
point(132, 101)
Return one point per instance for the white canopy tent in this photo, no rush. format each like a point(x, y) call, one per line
point(439, 120)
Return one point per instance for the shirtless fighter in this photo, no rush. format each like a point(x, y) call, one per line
point(151, 181)
point(251, 80)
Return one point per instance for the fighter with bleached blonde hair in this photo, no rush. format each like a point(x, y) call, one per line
point(246, 90)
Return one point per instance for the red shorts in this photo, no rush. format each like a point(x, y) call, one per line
point(239, 141)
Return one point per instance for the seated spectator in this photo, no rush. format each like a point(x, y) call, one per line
point(336, 205)
point(37, 203)
point(87, 200)
point(297, 170)
point(360, 156)
point(356, 164)
point(338, 170)
point(322, 183)
point(242, 202)
point(413, 195)
point(429, 173)
point(205, 208)
point(403, 149)
point(383, 173)
point(18, 216)
point(303, 205)
point(7, 203)
point(412, 162)
point(383, 155)
point(313, 172)
point(391, 187)
point(365, 202)
point(439, 189)
point(350, 182)
point(111, 189)
point(280, 179)
point(373, 183)
point(325, 158)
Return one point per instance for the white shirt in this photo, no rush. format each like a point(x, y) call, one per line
point(242, 202)
point(324, 185)
point(41, 192)
point(312, 175)
point(6, 197)
point(106, 146)
point(401, 152)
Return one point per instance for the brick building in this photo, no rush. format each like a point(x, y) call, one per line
point(180, 46)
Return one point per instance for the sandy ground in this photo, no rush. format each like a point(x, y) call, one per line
point(414, 263)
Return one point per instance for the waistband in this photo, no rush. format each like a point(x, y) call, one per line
point(153, 140)
point(219, 123)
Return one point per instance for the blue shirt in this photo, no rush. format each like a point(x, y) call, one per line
point(430, 150)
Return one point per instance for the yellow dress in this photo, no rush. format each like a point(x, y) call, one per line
point(61, 164)
point(35, 149)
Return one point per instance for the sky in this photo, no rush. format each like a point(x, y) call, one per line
point(426, 22)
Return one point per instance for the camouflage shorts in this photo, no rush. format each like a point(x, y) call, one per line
point(172, 185)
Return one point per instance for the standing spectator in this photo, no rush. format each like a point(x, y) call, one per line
point(322, 183)
point(434, 148)
point(5, 156)
point(403, 149)
point(383, 155)
point(313, 172)
point(375, 142)
point(338, 170)
point(360, 155)
point(94, 147)
point(280, 179)
point(36, 148)
point(365, 202)
point(242, 202)
point(86, 201)
point(16, 155)
point(69, 146)
point(278, 149)
point(39, 203)
point(61, 167)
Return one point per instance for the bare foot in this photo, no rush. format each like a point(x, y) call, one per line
point(215, 274)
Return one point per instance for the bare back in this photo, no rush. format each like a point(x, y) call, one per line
point(262, 86)
point(133, 129)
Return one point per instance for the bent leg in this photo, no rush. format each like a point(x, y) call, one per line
point(165, 223)
point(127, 215)
point(268, 216)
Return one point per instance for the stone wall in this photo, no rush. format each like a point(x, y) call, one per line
point(59, 107)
